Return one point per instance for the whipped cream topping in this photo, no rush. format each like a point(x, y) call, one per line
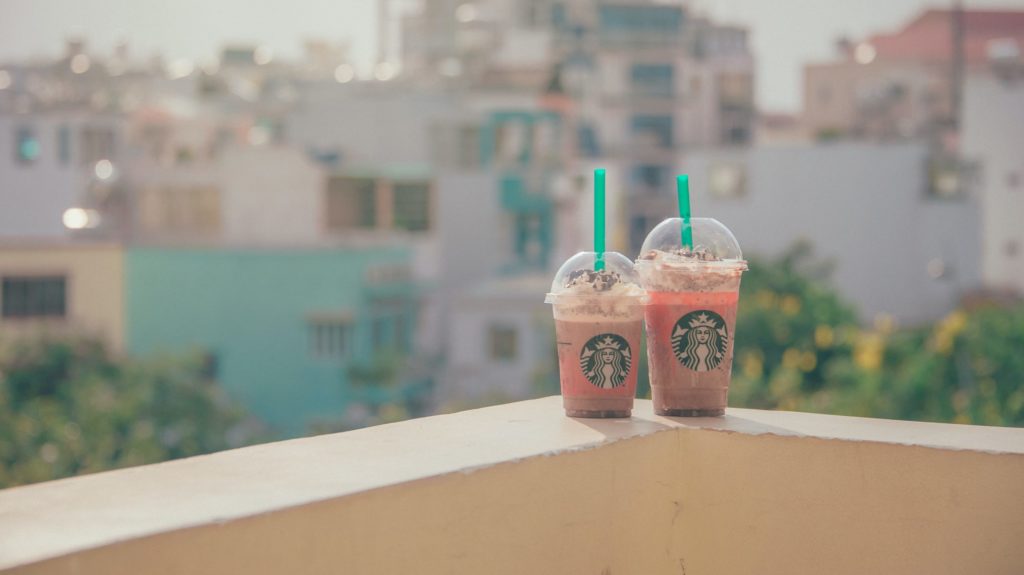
point(683, 269)
point(681, 255)
point(602, 283)
point(605, 295)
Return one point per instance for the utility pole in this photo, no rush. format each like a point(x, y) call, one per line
point(956, 76)
point(383, 29)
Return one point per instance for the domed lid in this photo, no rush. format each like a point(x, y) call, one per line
point(713, 244)
point(577, 277)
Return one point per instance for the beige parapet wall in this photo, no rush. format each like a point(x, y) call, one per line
point(519, 488)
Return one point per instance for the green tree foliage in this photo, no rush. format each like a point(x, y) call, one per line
point(67, 407)
point(788, 328)
point(967, 368)
point(799, 347)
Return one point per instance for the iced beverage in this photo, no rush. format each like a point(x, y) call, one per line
point(598, 325)
point(691, 316)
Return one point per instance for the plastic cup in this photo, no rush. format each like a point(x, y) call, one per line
point(691, 315)
point(598, 326)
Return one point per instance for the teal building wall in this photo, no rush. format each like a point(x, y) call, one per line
point(251, 309)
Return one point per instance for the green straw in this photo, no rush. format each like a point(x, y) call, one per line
point(599, 219)
point(683, 191)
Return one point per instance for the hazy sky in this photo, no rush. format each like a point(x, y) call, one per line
point(785, 33)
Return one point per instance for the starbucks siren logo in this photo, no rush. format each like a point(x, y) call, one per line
point(700, 339)
point(606, 360)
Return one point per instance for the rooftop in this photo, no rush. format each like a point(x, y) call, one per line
point(928, 37)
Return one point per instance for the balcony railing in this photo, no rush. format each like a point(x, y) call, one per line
point(519, 488)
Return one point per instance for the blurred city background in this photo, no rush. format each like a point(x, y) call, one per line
point(223, 224)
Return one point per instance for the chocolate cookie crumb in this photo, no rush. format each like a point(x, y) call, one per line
point(598, 280)
point(699, 253)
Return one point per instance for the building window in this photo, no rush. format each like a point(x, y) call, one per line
point(638, 228)
point(736, 91)
point(511, 143)
point(728, 180)
point(392, 325)
point(404, 332)
point(411, 206)
point(529, 231)
point(534, 14)
point(587, 141)
point(33, 297)
point(503, 344)
point(653, 130)
point(652, 79)
point(456, 145)
point(640, 19)
point(64, 145)
point(737, 135)
point(26, 145)
point(945, 178)
point(382, 333)
point(650, 176)
point(97, 144)
point(180, 209)
point(351, 204)
point(329, 339)
point(558, 16)
point(469, 147)
point(327, 157)
point(388, 273)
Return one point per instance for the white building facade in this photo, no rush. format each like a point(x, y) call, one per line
point(899, 249)
point(993, 138)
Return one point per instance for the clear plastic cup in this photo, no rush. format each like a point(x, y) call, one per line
point(691, 315)
point(598, 326)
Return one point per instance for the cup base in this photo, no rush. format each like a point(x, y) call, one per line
point(598, 414)
point(691, 412)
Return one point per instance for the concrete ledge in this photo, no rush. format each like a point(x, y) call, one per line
point(519, 488)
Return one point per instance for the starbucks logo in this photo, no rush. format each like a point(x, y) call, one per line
point(700, 339)
point(605, 360)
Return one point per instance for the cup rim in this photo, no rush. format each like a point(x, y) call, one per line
point(731, 264)
point(556, 298)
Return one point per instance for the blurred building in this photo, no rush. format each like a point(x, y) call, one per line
point(900, 247)
point(993, 141)
point(546, 91)
point(499, 327)
point(49, 161)
point(299, 335)
point(229, 239)
point(57, 288)
point(61, 134)
point(502, 344)
point(304, 226)
point(291, 333)
point(640, 81)
point(465, 175)
point(652, 81)
point(907, 84)
point(779, 129)
point(948, 79)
